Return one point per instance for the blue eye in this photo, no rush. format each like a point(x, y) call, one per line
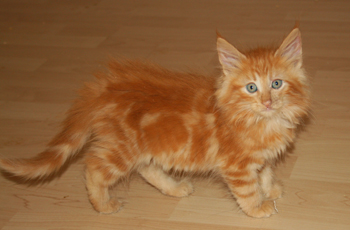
point(276, 84)
point(252, 88)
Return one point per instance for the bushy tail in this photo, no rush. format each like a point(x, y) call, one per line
point(63, 147)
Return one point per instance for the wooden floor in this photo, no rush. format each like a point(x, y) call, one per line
point(49, 48)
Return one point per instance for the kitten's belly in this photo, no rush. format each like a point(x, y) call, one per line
point(182, 162)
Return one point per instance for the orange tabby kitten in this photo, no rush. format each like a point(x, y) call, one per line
point(144, 118)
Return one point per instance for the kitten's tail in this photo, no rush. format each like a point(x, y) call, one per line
point(64, 146)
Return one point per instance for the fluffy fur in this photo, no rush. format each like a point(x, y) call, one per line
point(140, 117)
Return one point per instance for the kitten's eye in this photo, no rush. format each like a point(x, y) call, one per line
point(252, 88)
point(276, 84)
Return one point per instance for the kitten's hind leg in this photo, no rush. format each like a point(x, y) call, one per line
point(166, 184)
point(102, 172)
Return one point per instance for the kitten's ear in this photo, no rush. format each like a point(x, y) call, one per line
point(291, 48)
point(229, 57)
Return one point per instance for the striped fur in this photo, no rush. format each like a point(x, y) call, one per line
point(140, 117)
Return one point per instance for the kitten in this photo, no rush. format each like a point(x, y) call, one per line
point(140, 117)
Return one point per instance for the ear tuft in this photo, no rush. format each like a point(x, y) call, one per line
point(229, 57)
point(291, 48)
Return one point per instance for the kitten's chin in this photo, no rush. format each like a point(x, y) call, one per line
point(268, 112)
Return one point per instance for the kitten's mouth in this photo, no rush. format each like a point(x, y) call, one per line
point(267, 108)
point(268, 111)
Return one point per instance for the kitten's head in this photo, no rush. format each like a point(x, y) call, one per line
point(263, 83)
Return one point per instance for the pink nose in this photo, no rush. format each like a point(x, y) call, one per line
point(267, 103)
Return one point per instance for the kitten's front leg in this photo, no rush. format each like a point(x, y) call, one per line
point(167, 185)
point(271, 187)
point(245, 187)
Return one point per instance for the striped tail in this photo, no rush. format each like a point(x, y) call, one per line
point(62, 148)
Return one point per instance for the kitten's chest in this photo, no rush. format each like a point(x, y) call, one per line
point(275, 144)
point(266, 141)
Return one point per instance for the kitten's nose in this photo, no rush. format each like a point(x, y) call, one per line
point(267, 104)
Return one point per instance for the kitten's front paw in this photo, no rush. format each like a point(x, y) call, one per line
point(183, 188)
point(266, 209)
point(112, 206)
point(275, 192)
